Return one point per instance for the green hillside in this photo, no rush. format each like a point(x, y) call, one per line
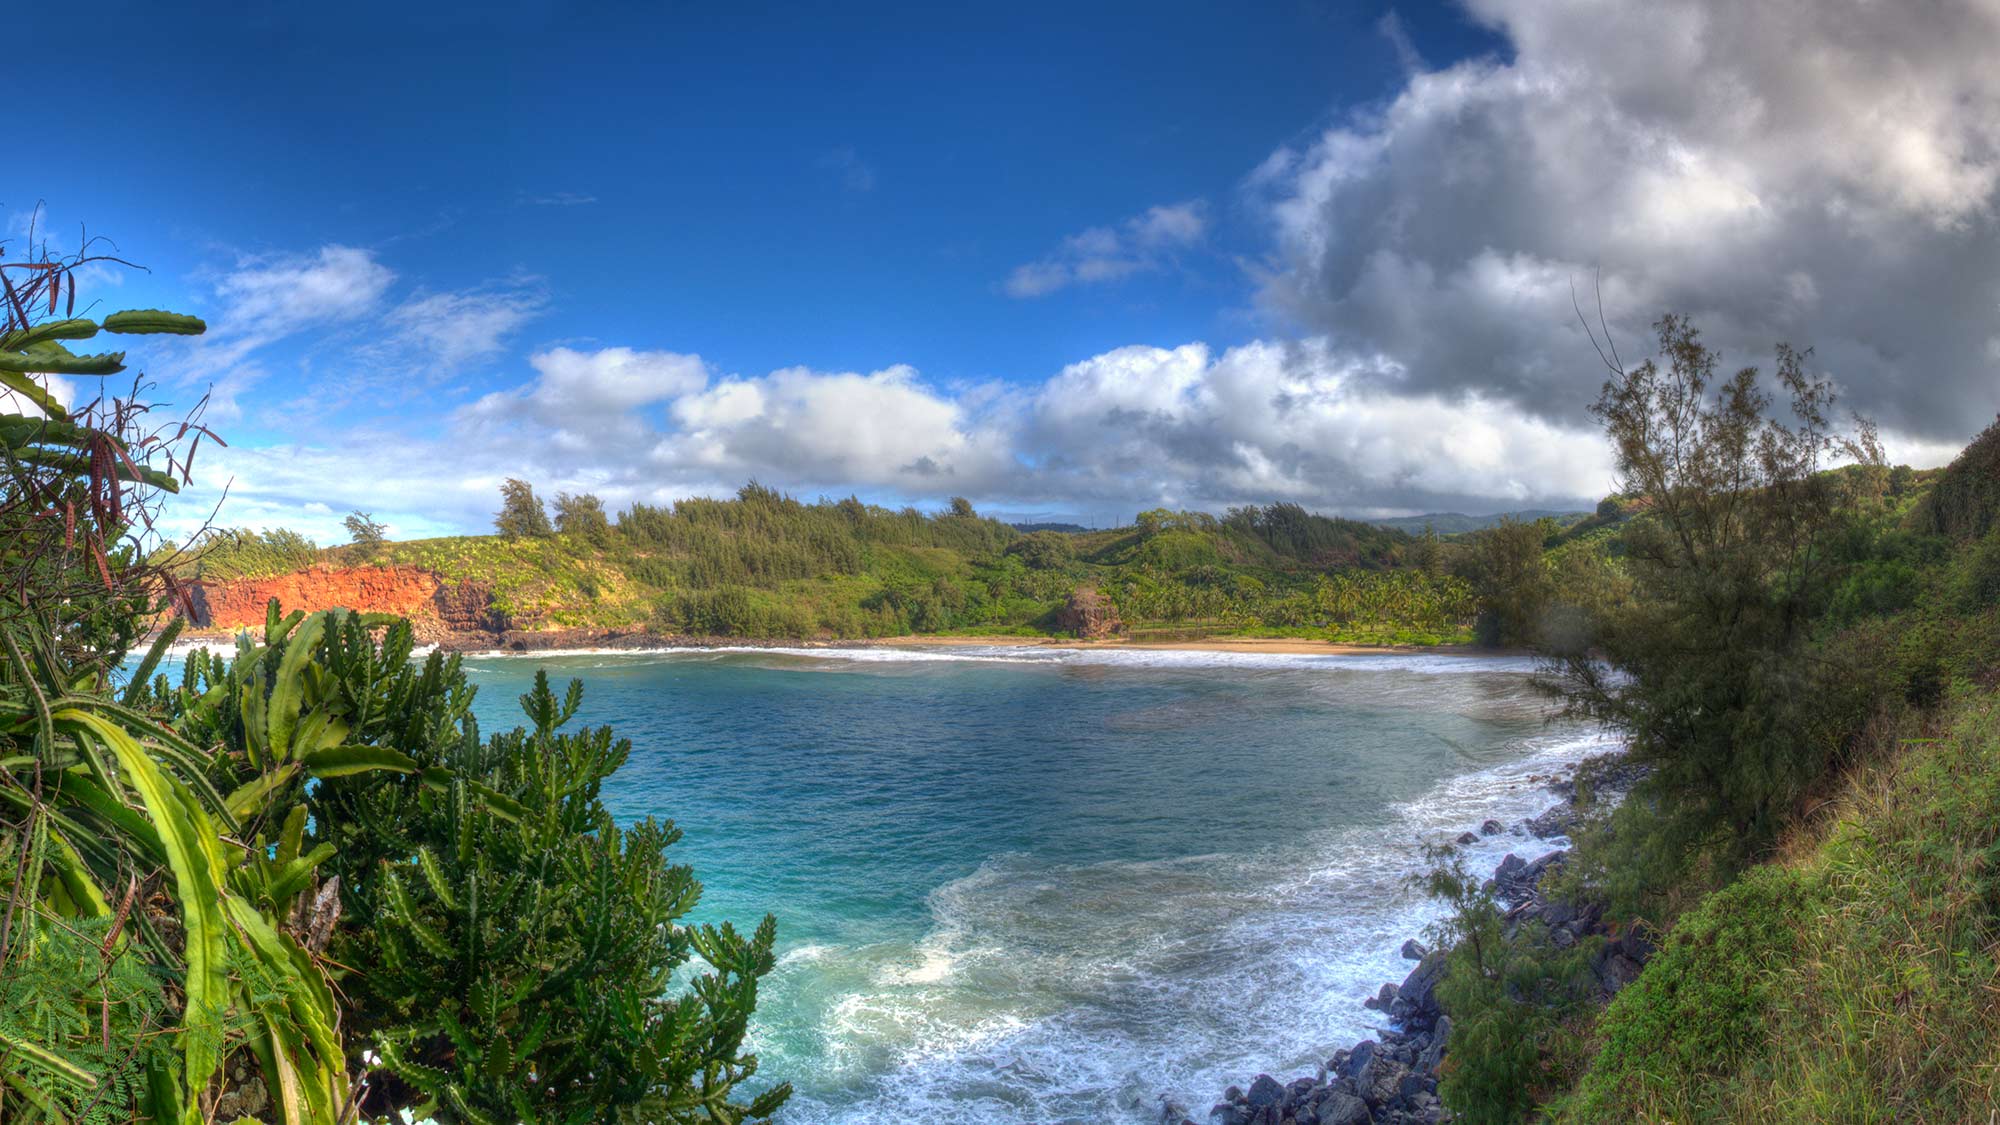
point(1807, 672)
point(762, 564)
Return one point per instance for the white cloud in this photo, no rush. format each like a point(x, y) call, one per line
point(339, 297)
point(557, 199)
point(455, 329)
point(271, 297)
point(886, 428)
point(268, 299)
point(1143, 243)
point(1825, 174)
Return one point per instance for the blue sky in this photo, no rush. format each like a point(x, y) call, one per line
point(1068, 260)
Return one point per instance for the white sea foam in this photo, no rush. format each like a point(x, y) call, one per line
point(1416, 662)
point(1088, 993)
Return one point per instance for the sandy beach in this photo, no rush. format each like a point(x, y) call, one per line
point(1286, 646)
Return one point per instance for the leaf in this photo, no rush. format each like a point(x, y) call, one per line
point(288, 686)
point(248, 798)
point(344, 761)
point(51, 358)
point(76, 329)
point(138, 322)
point(153, 657)
point(49, 1059)
point(194, 859)
point(25, 386)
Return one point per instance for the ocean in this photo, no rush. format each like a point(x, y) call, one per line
point(1030, 885)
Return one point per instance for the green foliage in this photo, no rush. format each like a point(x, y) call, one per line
point(1964, 502)
point(1852, 983)
point(1301, 537)
point(76, 484)
point(1509, 574)
point(1703, 1001)
point(521, 513)
point(1738, 549)
point(583, 516)
point(521, 966)
point(362, 529)
point(1510, 999)
point(82, 1020)
point(1043, 550)
point(243, 553)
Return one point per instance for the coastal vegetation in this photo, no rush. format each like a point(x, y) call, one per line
point(293, 881)
point(1797, 643)
point(763, 564)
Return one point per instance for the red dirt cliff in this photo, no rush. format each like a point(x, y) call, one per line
point(433, 604)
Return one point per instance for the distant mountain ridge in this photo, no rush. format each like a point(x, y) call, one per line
point(1454, 523)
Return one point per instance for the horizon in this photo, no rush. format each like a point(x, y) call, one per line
point(1325, 254)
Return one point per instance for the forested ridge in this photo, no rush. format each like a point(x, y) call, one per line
point(763, 564)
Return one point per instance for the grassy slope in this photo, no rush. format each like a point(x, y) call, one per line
point(1854, 981)
point(1853, 977)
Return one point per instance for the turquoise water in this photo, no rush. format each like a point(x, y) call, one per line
point(1031, 886)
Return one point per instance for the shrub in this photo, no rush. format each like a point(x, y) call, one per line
point(1510, 1000)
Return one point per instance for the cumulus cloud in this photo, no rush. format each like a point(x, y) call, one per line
point(1133, 427)
point(1822, 173)
point(1142, 243)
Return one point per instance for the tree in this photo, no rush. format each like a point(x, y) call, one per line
point(361, 526)
point(521, 513)
point(582, 515)
point(962, 508)
point(1043, 550)
point(1509, 575)
point(1704, 667)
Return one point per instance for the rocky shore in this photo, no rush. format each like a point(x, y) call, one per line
point(1392, 1079)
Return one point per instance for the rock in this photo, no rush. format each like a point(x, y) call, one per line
point(1413, 950)
point(1342, 1108)
point(1465, 838)
point(1557, 820)
point(433, 605)
point(1617, 971)
point(1491, 828)
point(1089, 615)
point(1414, 1004)
point(1433, 1054)
point(1226, 1114)
point(1265, 1091)
point(1358, 1060)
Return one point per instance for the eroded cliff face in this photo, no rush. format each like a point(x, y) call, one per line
point(434, 605)
point(1089, 615)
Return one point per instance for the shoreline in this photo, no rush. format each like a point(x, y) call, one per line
point(1282, 646)
point(1392, 1077)
point(591, 640)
